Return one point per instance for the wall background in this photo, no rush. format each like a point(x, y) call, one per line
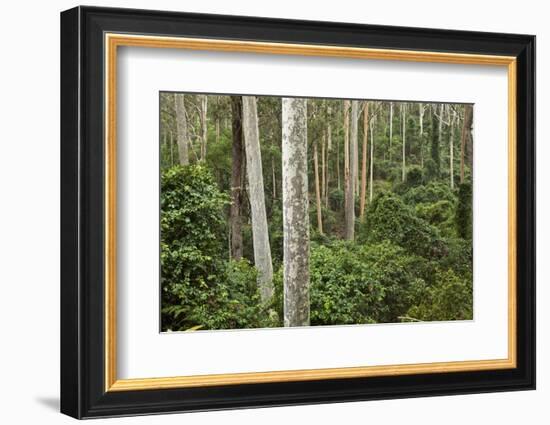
point(29, 213)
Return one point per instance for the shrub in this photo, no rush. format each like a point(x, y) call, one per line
point(430, 193)
point(389, 218)
point(439, 214)
point(450, 298)
point(353, 284)
point(415, 176)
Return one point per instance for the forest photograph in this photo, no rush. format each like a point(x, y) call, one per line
point(285, 211)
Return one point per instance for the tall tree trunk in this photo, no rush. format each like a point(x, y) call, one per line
point(317, 189)
point(181, 128)
point(204, 125)
point(295, 213)
point(346, 148)
point(371, 159)
point(236, 177)
point(171, 149)
point(329, 149)
point(465, 137)
point(435, 155)
point(260, 235)
point(364, 161)
point(351, 172)
point(273, 179)
point(404, 137)
point(323, 167)
point(355, 147)
point(421, 114)
point(391, 125)
point(451, 150)
point(338, 180)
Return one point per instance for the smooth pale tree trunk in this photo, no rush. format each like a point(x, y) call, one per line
point(440, 128)
point(338, 179)
point(364, 162)
point(329, 149)
point(317, 189)
point(346, 147)
point(182, 130)
point(236, 177)
point(260, 235)
point(171, 148)
point(391, 124)
point(323, 169)
point(371, 160)
point(355, 147)
point(204, 125)
point(404, 137)
point(295, 213)
point(352, 174)
point(451, 150)
point(421, 114)
point(465, 137)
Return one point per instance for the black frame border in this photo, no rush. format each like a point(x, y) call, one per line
point(82, 212)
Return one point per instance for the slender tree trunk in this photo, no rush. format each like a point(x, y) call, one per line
point(351, 173)
point(371, 160)
point(440, 127)
point(391, 125)
point(182, 131)
point(364, 161)
point(451, 150)
point(355, 147)
point(273, 178)
point(404, 137)
point(435, 147)
point(295, 213)
point(465, 136)
point(421, 113)
point(323, 168)
point(317, 189)
point(204, 125)
point(338, 181)
point(236, 177)
point(346, 148)
point(260, 235)
point(171, 149)
point(329, 149)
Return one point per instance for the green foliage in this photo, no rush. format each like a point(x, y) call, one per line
point(353, 284)
point(450, 298)
point(415, 176)
point(435, 166)
point(389, 218)
point(440, 214)
point(199, 288)
point(464, 211)
point(430, 193)
point(412, 255)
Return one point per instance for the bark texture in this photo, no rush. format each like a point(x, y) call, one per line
point(317, 188)
point(260, 235)
point(353, 172)
point(182, 130)
point(236, 177)
point(295, 213)
point(404, 137)
point(466, 140)
point(204, 125)
point(364, 161)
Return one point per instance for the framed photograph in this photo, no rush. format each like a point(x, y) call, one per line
point(261, 212)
